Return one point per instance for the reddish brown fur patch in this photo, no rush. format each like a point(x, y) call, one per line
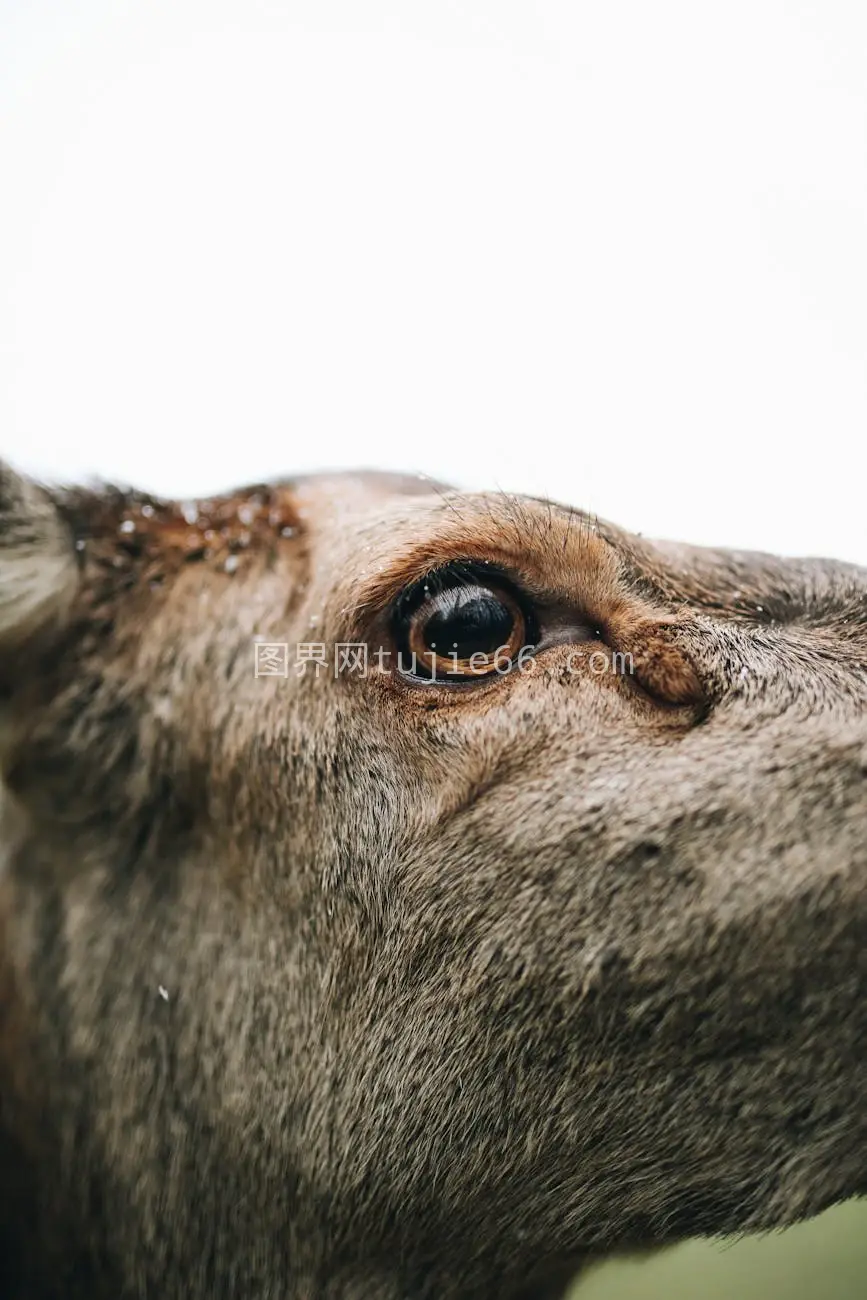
point(148, 538)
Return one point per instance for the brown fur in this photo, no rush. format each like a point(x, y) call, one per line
point(350, 987)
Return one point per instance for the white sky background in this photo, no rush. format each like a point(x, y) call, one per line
point(613, 253)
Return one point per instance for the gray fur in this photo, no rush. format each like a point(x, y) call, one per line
point(317, 988)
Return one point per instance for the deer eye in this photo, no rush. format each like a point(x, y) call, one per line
point(457, 624)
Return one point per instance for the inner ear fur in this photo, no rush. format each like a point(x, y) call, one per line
point(38, 569)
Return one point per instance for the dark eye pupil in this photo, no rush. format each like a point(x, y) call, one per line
point(468, 623)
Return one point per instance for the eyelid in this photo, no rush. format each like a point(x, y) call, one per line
point(454, 573)
point(380, 591)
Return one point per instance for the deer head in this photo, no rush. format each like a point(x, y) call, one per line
point(520, 920)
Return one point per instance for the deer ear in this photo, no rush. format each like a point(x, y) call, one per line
point(38, 568)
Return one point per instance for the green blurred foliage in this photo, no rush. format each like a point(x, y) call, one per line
point(824, 1259)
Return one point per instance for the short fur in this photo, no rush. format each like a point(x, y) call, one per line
point(340, 987)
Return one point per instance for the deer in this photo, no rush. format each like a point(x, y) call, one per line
point(409, 892)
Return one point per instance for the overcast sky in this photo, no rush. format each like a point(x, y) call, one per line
point(615, 253)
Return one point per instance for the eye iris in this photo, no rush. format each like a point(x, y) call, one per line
point(469, 622)
point(459, 625)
